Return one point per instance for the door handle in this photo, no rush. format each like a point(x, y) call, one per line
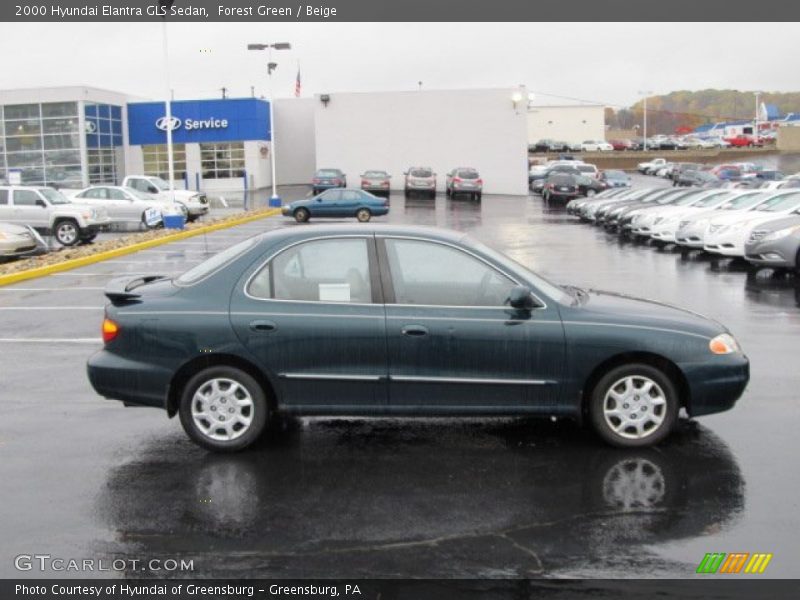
point(262, 326)
point(414, 330)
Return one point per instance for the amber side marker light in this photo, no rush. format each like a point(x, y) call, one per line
point(723, 344)
point(110, 330)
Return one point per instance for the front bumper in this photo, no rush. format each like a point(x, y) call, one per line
point(772, 254)
point(727, 246)
point(664, 235)
point(691, 238)
point(716, 385)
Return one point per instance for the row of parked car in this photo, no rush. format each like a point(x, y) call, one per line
point(657, 142)
point(732, 175)
point(568, 179)
point(75, 216)
point(759, 225)
point(416, 180)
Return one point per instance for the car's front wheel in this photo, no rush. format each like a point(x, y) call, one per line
point(67, 232)
point(634, 405)
point(223, 409)
point(301, 215)
point(363, 215)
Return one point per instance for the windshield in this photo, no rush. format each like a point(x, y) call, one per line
point(546, 287)
point(206, 268)
point(669, 198)
point(586, 168)
point(54, 196)
point(327, 173)
point(690, 199)
point(159, 183)
point(780, 203)
point(421, 173)
point(615, 175)
point(712, 200)
point(468, 173)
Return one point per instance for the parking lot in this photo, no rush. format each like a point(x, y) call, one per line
point(389, 498)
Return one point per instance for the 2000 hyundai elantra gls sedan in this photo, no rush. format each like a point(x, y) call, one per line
point(406, 321)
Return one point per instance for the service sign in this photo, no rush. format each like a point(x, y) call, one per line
point(193, 121)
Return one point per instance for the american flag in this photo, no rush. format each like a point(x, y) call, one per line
point(297, 85)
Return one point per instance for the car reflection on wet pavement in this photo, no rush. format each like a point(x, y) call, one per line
point(387, 498)
point(492, 498)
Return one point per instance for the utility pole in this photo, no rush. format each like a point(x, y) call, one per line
point(224, 92)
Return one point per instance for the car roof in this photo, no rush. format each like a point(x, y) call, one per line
point(344, 229)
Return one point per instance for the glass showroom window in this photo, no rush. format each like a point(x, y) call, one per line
point(2, 148)
point(102, 164)
point(156, 161)
point(41, 140)
point(221, 161)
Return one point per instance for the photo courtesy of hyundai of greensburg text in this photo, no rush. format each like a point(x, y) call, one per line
point(387, 301)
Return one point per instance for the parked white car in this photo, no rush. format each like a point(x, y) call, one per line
point(692, 229)
point(127, 205)
point(596, 146)
point(194, 204)
point(16, 240)
point(727, 236)
point(49, 211)
point(665, 228)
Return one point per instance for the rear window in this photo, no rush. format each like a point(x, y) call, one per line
point(421, 173)
point(468, 173)
point(327, 173)
point(562, 179)
point(216, 262)
point(375, 174)
point(586, 168)
point(616, 175)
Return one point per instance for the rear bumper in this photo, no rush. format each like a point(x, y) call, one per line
point(715, 388)
point(132, 382)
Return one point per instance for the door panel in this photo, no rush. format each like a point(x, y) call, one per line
point(313, 319)
point(452, 343)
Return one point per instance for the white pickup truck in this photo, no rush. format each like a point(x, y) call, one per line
point(193, 204)
point(49, 211)
point(651, 166)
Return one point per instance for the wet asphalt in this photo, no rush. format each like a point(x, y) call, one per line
point(82, 477)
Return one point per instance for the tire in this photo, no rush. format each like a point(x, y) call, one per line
point(433, 195)
point(363, 215)
point(201, 397)
point(301, 215)
point(67, 232)
point(314, 191)
point(590, 192)
point(89, 238)
point(146, 226)
point(626, 383)
point(797, 263)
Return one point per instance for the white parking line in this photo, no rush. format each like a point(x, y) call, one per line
point(51, 341)
point(51, 307)
point(51, 289)
point(113, 274)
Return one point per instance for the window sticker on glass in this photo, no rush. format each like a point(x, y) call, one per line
point(334, 292)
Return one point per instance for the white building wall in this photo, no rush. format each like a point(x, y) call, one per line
point(571, 124)
point(440, 129)
point(295, 140)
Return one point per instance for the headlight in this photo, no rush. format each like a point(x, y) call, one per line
point(780, 234)
point(2, 235)
point(723, 344)
point(87, 214)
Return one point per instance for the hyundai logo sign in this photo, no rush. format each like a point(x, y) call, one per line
point(163, 124)
point(191, 124)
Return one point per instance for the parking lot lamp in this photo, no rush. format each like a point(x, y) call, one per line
point(645, 93)
point(755, 121)
point(274, 200)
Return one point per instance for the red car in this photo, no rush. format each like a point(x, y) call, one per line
point(743, 140)
point(619, 144)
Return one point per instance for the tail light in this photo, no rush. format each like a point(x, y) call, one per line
point(456, 179)
point(337, 182)
point(110, 330)
point(386, 183)
point(316, 180)
point(364, 182)
point(479, 182)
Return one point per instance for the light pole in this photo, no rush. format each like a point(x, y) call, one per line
point(755, 121)
point(168, 114)
point(645, 93)
point(274, 200)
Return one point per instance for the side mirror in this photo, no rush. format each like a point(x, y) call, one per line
point(152, 189)
point(41, 203)
point(521, 298)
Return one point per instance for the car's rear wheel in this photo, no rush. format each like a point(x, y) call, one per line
point(144, 222)
point(478, 196)
point(67, 232)
point(223, 409)
point(363, 215)
point(634, 405)
point(301, 215)
point(89, 237)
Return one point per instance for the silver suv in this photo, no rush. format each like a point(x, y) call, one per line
point(420, 180)
point(49, 211)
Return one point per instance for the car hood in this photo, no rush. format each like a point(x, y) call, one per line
point(780, 223)
point(622, 309)
point(11, 229)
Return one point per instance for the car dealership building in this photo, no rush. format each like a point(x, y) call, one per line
point(76, 136)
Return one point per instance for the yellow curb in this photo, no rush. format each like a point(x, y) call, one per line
point(83, 261)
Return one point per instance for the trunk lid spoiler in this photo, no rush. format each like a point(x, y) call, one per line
point(122, 289)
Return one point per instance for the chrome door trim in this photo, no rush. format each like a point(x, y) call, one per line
point(330, 377)
point(416, 379)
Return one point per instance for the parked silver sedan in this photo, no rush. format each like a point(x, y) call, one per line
point(17, 240)
point(126, 204)
point(775, 244)
point(376, 182)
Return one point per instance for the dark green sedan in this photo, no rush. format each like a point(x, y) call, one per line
point(406, 321)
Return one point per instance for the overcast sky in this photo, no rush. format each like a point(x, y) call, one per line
point(605, 63)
